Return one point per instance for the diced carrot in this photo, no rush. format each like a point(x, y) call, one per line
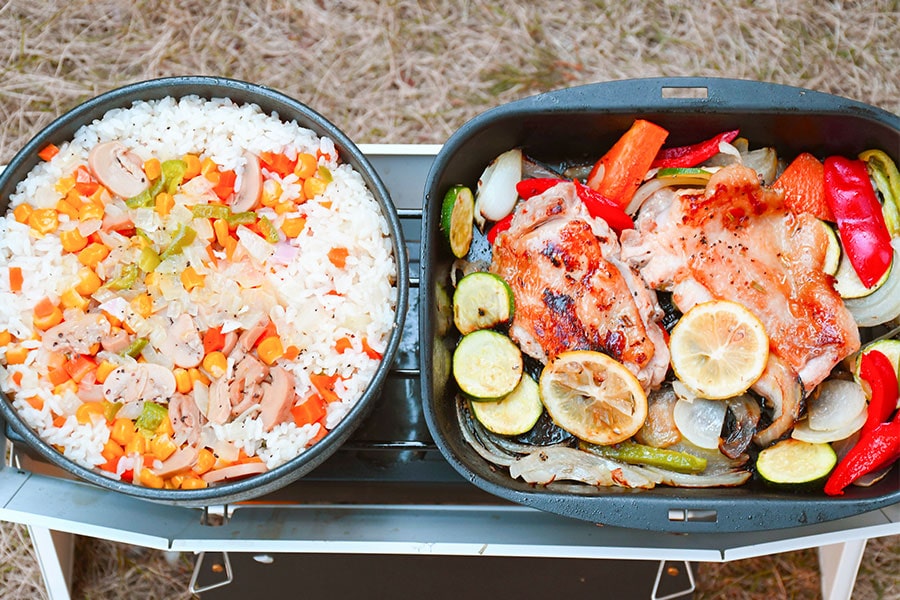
point(230, 246)
point(370, 352)
point(343, 345)
point(213, 339)
point(338, 257)
point(225, 186)
point(85, 182)
point(58, 376)
point(22, 212)
point(59, 420)
point(48, 152)
point(291, 352)
point(5, 337)
point(270, 349)
point(277, 163)
point(16, 378)
point(803, 186)
point(309, 411)
point(36, 402)
point(164, 203)
point(15, 279)
point(79, 367)
point(16, 355)
point(621, 170)
point(324, 384)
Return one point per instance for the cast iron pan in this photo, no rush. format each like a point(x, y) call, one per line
point(288, 109)
point(579, 124)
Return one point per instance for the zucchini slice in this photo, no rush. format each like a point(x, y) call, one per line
point(515, 413)
point(487, 365)
point(833, 250)
point(792, 462)
point(457, 217)
point(482, 301)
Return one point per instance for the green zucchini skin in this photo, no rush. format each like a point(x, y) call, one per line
point(793, 465)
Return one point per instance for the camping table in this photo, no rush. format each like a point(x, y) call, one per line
point(389, 491)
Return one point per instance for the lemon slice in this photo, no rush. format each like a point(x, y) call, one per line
point(593, 397)
point(719, 349)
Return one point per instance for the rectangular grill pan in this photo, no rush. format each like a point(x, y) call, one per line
point(580, 123)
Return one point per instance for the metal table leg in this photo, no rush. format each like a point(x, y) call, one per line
point(54, 551)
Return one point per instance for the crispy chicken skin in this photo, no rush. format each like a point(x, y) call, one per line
point(573, 291)
point(736, 241)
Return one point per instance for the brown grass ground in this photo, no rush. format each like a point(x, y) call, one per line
point(402, 71)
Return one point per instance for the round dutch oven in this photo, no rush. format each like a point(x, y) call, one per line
point(288, 109)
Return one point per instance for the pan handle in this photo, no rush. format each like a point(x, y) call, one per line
point(703, 94)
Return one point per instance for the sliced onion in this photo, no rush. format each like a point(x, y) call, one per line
point(496, 192)
point(804, 433)
point(836, 403)
point(700, 421)
point(654, 185)
point(883, 304)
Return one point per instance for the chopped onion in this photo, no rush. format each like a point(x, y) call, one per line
point(700, 421)
point(836, 403)
point(804, 433)
point(883, 304)
point(496, 192)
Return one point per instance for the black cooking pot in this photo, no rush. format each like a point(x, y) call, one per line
point(576, 125)
point(288, 109)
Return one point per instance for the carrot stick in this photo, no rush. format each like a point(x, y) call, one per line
point(621, 170)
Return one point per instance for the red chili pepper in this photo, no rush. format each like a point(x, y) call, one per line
point(876, 449)
point(694, 154)
point(599, 206)
point(528, 188)
point(501, 226)
point(878, 371)
point(861, 225)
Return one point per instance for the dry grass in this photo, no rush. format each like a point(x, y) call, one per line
point(412, 72)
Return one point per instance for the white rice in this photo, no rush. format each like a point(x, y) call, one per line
point(293, 282)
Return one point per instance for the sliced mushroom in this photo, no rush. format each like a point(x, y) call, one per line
point(185, 417)
point(246, 197)
point(118, 169)
point(125, 384)
point(219, 408)
point(77, 334)
point(160, 382)
point(181, 460)
point(183, 344)
point(278, 397)
point(235, 471)
point(249, 337)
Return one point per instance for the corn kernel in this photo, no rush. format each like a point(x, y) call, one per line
point(5, 338)
point(215, 363)
point(193, 166)
point(93, 254)
point(314, 186)
point(68, 386)
point(150, 479)
point(191, 279)
point(183, 382)
point(196, 375)
point(307, 165)
point(142, 305)
point(293, 227)
point(90, 211)
point(44, 220)
point(88, 282)
point(162, 447)
point(193, 483)
point(123, 431)
point(112, 449)
point(104, 369)
point(73, 240)
point(205, 461)
point(22, 212)
point(136, 445)
point(72, 299)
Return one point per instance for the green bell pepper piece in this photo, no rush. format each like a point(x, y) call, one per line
point(639, 454)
